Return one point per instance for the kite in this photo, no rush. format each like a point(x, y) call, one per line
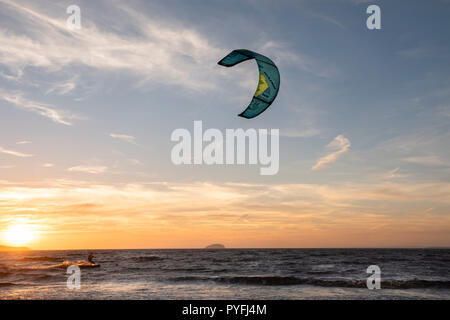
point(269, 80)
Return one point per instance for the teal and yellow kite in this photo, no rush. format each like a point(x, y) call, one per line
point(269, 80)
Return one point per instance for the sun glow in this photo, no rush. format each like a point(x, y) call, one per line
point(19, 234)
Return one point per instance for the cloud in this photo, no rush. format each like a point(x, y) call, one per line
point(134, 162)
point(7, 167)
point(23, 142)
point(64, 87)
point(295, 133)
point(124, 137)
point(158, 52)
point(283, 55)
point(15, 153)
point(425, 141)
point(341, 144)
point(42, 109)
point(426, 160)
point(319, 214)
point(417, 53)
point(392, 174)
point(328, 19)
point(88, 169)
point(48, 165)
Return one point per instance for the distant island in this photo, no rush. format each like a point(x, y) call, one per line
point(8, 248)
point(215, 246)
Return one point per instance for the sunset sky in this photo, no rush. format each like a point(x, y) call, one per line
point(86, 118)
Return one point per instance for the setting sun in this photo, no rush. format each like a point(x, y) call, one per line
point(19, 234)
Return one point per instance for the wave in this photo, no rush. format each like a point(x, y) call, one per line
point(323, 266)
point(321, 254)
point(67, 263)
point(289, 280)
point(329, 272)
point(146, 258)
point(5, 274)
point(50, 259)
point(6, 284)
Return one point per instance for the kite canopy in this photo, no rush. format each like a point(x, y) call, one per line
point(269, 80)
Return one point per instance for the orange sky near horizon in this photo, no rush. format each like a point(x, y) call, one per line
point(78, 215)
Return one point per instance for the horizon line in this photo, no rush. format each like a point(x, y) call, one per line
point(231, 248)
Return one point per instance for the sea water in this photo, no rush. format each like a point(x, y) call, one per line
point(228, 274)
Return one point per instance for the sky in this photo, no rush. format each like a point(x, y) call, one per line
point(86, 117)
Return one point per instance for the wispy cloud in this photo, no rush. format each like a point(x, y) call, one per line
point(417, 53)
point(134, 162)
point(63, 87)
point(159, 52)
point(394, 173)
point(15, 153)
point(295, 133)
point(7, 167)
point(426, 160)
point(23, 142)
point(88, 169)
point(42, 109)
point(341, 144)
point(328, 19)
point(124, 137)
point(284, 55)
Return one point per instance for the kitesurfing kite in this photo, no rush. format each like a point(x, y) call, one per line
point(269, 80)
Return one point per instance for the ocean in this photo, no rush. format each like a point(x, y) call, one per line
point(227, 274)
